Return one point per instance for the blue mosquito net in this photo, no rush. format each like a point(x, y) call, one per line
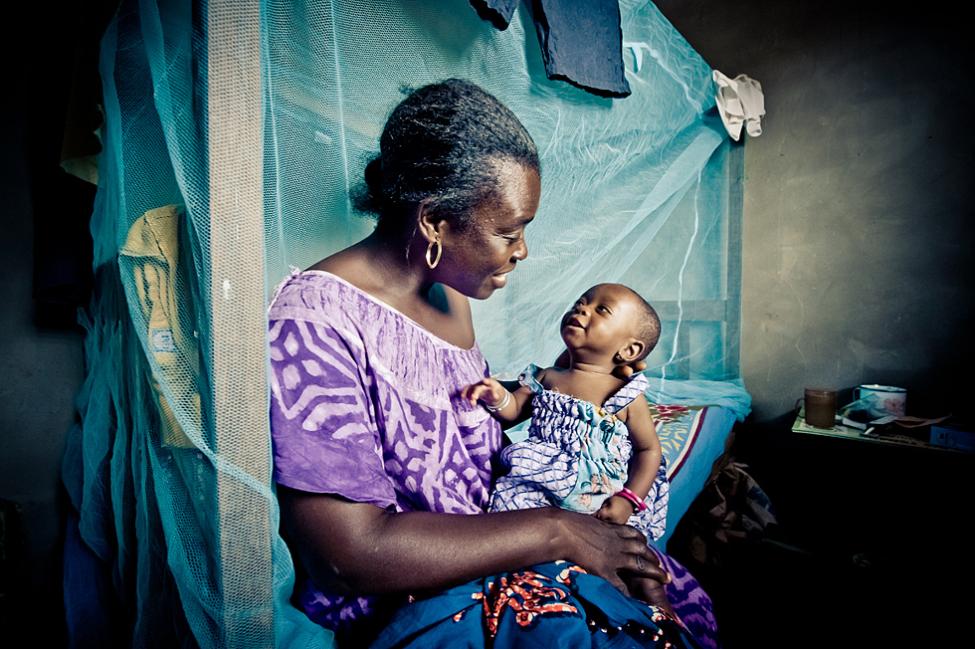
point(234, 132)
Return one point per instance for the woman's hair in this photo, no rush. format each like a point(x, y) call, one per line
point(443, 144)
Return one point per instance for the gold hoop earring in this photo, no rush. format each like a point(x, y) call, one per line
point(433, 264)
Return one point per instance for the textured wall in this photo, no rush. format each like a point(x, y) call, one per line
point(40, 367)
point(40, 371)
point(858, 195)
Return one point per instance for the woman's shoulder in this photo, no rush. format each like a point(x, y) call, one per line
point(345, 264)
point(316, 296)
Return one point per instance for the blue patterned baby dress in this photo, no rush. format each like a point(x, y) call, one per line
point(576, 456)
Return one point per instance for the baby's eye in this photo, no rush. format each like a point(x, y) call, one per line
point(602, 309)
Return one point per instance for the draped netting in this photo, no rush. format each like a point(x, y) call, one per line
point(234, 132)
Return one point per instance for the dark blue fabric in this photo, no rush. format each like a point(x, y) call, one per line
point(582, 43)
point(90, 605)
point(581, 40)
point(499, 12)
point(550, 606)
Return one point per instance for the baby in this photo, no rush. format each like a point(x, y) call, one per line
point(591, 446)
point(600, 459)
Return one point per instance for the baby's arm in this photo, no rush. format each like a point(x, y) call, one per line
point(644, 463)
point(505, 406)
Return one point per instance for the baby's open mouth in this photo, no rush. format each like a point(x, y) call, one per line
point(574, 322)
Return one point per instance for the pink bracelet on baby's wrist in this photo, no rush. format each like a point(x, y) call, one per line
point(638, 504)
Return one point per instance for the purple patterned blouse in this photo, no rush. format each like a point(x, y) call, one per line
point(365, 405)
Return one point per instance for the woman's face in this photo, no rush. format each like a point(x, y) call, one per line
point(477, 259)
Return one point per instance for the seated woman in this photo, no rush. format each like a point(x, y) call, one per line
point(380, 461)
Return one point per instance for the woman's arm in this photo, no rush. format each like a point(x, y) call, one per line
point(357, 548)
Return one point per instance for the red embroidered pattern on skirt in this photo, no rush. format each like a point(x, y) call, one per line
point(527, 594)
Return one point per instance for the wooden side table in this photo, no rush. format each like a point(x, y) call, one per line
point(839, 431)
point(882, 522)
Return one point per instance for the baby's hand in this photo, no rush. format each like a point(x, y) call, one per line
point(488, 391)
point(615, 509)
point(626, 371)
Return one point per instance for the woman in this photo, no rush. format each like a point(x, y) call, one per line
point(378, 459)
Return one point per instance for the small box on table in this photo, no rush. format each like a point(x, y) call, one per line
point(955, 437)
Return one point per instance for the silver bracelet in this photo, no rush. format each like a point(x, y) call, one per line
point(500, 406)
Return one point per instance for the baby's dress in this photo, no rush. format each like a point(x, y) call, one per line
point(576, 456)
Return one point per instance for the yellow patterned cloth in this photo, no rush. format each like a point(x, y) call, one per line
point(150, 257)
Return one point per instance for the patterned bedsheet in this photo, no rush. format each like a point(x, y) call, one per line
point(678, 428)
point(692, 438)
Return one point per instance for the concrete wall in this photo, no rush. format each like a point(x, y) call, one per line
point(40, 372)
point(41, 367)
point(858, 195)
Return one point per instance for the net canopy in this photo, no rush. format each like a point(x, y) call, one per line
point(234, 133)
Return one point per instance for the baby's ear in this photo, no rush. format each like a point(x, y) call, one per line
point(631, 351)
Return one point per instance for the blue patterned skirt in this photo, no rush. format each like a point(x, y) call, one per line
point(550, 605)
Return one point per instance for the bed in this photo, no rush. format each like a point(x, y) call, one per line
point(693, 438)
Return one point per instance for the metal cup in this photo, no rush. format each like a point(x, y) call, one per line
point(882, 400)
point(820, 407)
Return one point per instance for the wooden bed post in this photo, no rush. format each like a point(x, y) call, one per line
point(733, 241)
point(238, 318)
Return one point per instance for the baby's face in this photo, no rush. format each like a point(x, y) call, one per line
point(602, 320)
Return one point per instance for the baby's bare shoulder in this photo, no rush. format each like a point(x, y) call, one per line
point(545, 375)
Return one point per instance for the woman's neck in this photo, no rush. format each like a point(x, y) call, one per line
point(393, 267)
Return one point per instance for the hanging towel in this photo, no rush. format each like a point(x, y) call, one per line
point(740, 103)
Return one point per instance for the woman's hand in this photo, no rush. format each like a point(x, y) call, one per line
point(626, 371)
point(607, 550)
point(651, 592)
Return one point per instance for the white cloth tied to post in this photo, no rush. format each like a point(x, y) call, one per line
point(740, 103)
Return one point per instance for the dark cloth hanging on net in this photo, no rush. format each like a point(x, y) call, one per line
point(499, 12)
point(581, 40)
